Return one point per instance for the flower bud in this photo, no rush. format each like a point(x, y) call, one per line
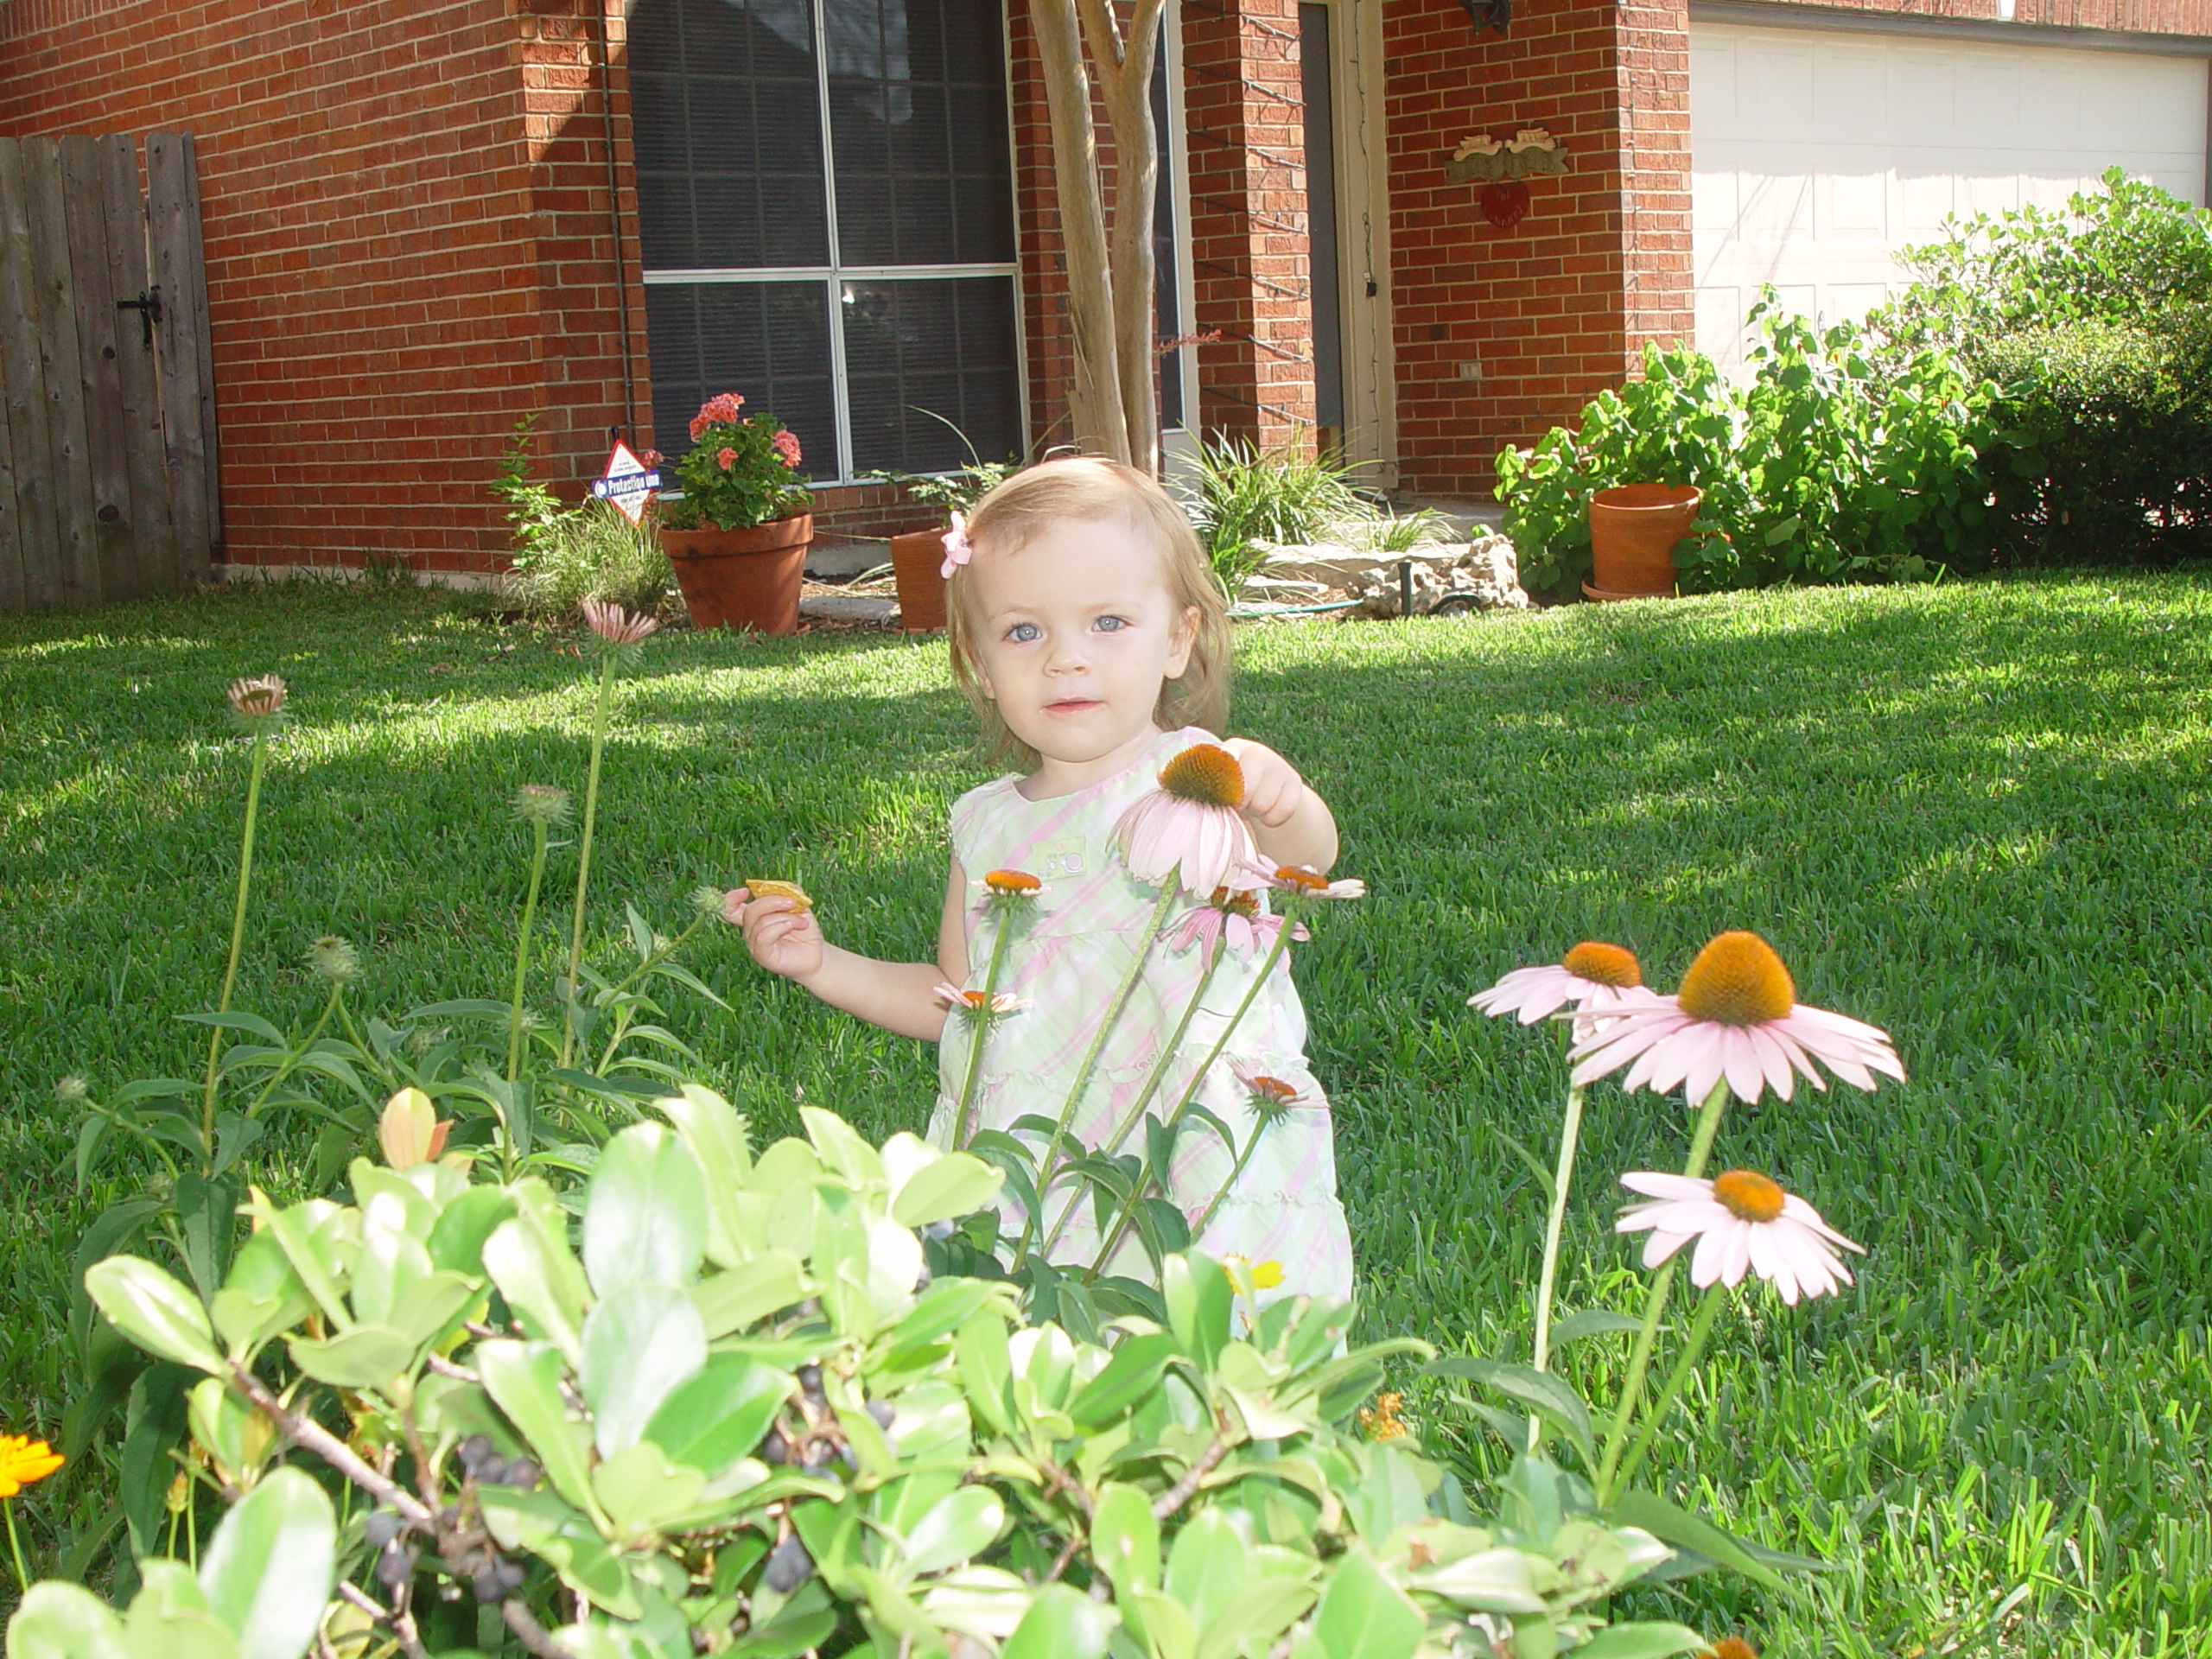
point(334, 959)
point(545, 803)
point(257, 699)
point(71, 1090)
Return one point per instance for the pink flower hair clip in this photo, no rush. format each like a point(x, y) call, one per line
point(957, 547)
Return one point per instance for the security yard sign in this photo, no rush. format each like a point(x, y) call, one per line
point(629, 483)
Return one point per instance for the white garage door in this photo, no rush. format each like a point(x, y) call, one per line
point(1816, 155)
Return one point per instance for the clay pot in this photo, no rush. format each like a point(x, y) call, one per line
point(917, 560)
point(1634, 530)
point(742, 578)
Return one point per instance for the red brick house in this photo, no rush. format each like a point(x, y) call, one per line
point(421, 223)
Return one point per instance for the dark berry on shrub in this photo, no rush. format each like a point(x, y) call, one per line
point(475, 1452)
point(497, 1580)
point(380, 1528)
point(493, 1471)
point(809, 1381)
point(394, 1566)
point(449, 1517)
point(881, 1411)
point(521, 1472)
point(775, 1448)
point(788, 1566)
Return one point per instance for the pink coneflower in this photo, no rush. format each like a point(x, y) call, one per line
point(1741, 1221)
point(786, 442)
point(257, 699)
point(1736, 1016)
point(972, 1003)
point(1591, 975)
point(1270, 1096)
point(1307, 881)
point(1190, 825)
point(614, 625)
point(1232, 918)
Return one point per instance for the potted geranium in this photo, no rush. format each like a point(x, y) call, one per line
point(738, 535)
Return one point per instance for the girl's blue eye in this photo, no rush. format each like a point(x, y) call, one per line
point(1110, 624)
point(1022, 632)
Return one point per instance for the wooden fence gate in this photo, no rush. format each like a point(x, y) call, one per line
point(107, 449)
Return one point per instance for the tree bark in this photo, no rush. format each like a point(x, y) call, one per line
point(1125, 66)
point(1095, 404)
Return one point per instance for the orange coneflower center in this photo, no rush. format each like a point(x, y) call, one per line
point(1246, 904)
point(1734, 1647)
point(1747, 1195)
point(1205, 772)
point(1298, 877)
point(1737, 981)
point(974, 998)
point(1012, 881)
point(1604, 964)
point(1273, 1089)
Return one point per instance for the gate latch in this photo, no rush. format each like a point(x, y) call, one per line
point(148, 305)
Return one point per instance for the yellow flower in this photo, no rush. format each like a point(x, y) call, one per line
point(1381, 1422)
point(1265, 1276)
point(24, 1462)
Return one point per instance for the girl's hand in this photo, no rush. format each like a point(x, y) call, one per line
point(1272, 790)
point(783, 937)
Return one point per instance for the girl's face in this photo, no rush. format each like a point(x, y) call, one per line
point(1079, 632)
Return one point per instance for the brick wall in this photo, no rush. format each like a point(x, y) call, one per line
point(377, 273)
point(1541, 308)
point(1244, 112)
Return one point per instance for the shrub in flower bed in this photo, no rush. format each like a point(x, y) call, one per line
point(1828, 466)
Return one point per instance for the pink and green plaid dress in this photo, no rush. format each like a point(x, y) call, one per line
point(1066, 960)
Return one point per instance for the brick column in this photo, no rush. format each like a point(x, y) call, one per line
point(1655, 134)
point(1245, 112)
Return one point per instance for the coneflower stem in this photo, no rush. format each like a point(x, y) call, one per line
point(1562, 1177)
point(1122, 993)
point(237, 942)
point(980, 1021)
point(1259, 1127)
point(522, 949)
point(1655, 1305)
point(15, 1547)
point(1700, 1328)
point(583, 848)
point(1146, 1173)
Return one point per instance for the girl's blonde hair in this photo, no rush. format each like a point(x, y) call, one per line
point(1092, 488)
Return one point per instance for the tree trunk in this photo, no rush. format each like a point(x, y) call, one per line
point(1125, 64)
point(1095, 406)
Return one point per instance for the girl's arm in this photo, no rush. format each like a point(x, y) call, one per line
point(899, 996)
point(1291, 824)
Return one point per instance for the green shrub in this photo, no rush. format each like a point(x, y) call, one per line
point(753, 1414)
point(1248, 498)
point(593, 551)
point(2130, 255)
point(2113, 422)
point(1826, 467)
point(564, 556)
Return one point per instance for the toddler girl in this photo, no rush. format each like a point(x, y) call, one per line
point(1089, 633)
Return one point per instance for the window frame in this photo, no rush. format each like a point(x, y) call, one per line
point(834, 276)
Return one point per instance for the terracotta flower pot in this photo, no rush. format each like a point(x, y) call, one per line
point(1634, 530)
point(918, 560)
point(742, 578)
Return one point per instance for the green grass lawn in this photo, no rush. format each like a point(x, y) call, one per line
point(1972, 814)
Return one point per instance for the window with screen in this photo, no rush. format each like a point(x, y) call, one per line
point(826, 205)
